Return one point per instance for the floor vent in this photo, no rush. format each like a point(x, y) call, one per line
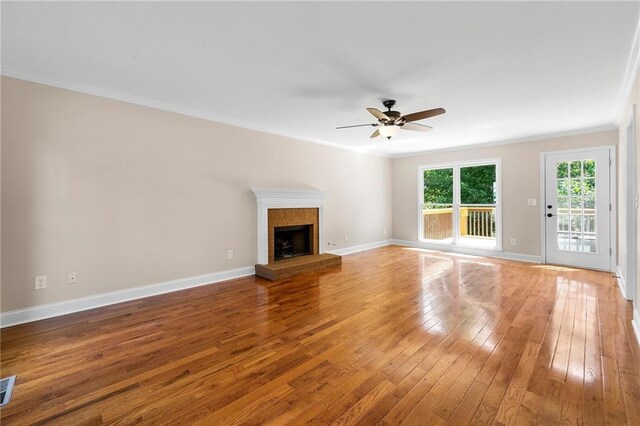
point(6, 388)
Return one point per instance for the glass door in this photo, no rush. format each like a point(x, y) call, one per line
point(459, 204)
point(437, 205)
point(478, 198)
point(577, 209)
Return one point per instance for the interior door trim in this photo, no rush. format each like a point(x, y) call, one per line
point(630, 279)
point(613, 219)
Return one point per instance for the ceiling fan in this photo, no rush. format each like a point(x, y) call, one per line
point(390, 122)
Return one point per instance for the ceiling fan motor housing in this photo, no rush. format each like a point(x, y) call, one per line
point(394, 115)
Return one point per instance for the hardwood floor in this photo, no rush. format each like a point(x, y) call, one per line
point(394, 335)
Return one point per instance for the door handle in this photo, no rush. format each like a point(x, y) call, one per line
point(549, 215)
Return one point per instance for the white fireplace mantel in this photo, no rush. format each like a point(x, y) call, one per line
point(280, 198)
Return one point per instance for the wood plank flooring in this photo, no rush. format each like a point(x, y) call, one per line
point(395, 335)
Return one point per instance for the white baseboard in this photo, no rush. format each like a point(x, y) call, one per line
point(635, 323)
point(50, 310)
point(622, 284)
point(471, 251)
point(361, 247)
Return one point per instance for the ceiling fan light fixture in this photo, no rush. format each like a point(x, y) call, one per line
point(388, 130)
point(390, 122)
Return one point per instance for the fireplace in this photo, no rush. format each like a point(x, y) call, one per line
point(290, 233)
point(292, 241)
point(280, 208)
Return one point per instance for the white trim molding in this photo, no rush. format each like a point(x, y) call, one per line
point(50, 310)
point(633, 61)
point(622, 284)
point(635, 324)
point(169, 107)
point(630, 226)
point(361, 247)
point(470, 251)
point(281, 198)
point(525, 139)
point(363, 149)
point(40, 312)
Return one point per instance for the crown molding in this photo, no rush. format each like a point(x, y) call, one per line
point(630, 74)
point(576, 132)
point(124, 97)
point(164, 106)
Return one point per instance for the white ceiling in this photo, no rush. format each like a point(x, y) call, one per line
point(502, 70)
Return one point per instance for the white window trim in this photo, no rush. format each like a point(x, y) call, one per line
point(456, 165)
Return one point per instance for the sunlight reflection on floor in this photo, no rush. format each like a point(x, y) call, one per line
point(430, 251)
point(556, 268)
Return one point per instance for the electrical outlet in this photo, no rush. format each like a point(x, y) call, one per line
point(346, 237)
point(229, 254)
point(513, 242)
point(72, 278)
point(532, 201)
point(41, 282)
point(384, 231)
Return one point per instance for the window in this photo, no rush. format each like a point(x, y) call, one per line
point(438, 204)
point(576, 197)
point(459, 204)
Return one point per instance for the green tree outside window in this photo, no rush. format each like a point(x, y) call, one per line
point(476, 185)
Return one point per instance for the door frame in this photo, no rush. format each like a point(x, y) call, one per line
point(632, 219)
point(612, 200)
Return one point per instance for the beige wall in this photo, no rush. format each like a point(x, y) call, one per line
point(520, 181)
point(127, 195)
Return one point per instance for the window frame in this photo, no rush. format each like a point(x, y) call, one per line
point(456, 166)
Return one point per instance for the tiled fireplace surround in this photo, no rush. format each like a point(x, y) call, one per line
point(293, 217)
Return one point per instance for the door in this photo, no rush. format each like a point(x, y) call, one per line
point(577, 210)
point(459, 204)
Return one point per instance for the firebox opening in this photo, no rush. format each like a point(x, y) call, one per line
point(292, 241)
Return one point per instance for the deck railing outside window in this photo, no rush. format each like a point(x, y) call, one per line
point(437, 221)
point(477, 221)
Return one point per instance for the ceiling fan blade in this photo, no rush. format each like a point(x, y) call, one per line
point(378, 114)
point(375, 134)
point(355, 125)
point(416, 127)
point(423, 114)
